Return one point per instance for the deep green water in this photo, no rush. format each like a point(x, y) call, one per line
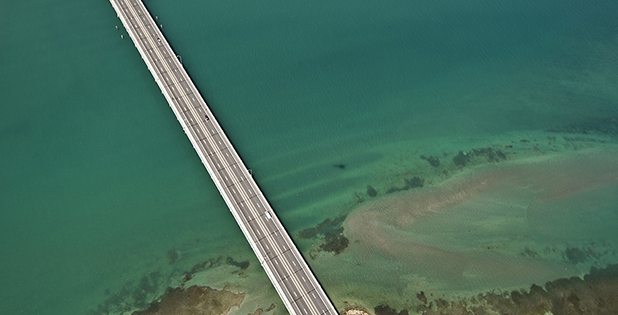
point(99, 182)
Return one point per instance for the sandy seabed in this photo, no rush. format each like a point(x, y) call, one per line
point(503, 226)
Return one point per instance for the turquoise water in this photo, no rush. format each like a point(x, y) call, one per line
point(99, 183)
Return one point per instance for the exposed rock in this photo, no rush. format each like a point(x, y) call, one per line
point(355, 311)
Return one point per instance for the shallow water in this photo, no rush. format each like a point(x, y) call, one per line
point(100, 186)
point(504, 225)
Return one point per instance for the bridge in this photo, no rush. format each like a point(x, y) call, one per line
point(287, 270)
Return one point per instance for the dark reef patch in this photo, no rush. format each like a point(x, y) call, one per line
point(384, 309)
point(259, 311)
point(432, 160)
point(414, 182)
point(490, 154)
point(607, 126)
point(371, 192)
point(330, 236)
point(592, 252)
point(461, 159)
point(529, 253)
point(478, 156)
point(215, 262)
point(210, 263)
point(243, 265)
point(575, 255)
point(595, 294)
point(335, 243)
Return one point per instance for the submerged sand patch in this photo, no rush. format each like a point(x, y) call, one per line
point(472, 231)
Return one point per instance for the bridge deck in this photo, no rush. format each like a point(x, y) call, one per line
point(286, 268)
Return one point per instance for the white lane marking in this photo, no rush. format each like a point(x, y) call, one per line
point(176, 70)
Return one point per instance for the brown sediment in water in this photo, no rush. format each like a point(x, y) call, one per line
point(195, 300)
point(595, 294)
point(529, 191)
